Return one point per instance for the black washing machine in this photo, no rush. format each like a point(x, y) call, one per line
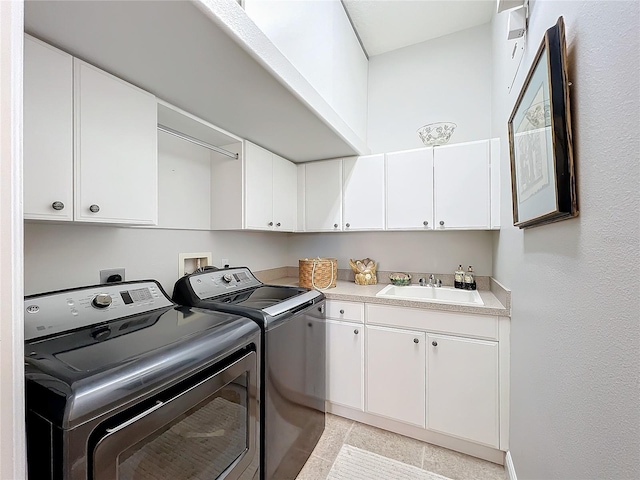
point(292, 321)
point(122, 383)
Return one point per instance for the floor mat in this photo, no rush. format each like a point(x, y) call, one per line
point(356, 464)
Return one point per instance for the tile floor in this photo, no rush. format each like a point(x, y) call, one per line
point(339, 431)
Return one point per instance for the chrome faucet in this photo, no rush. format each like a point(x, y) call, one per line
point(432, 282)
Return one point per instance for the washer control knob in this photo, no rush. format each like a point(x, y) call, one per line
point(102, 300)
point(227, 277)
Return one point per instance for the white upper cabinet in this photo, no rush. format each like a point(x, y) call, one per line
point(271, 190)
point(363, 193)
point(409, 196)
point(462, 186)
point(48, 132)
point(258, 187)
point(495, 183)
point(285, 180)
point(115, 149)
point(323, 196)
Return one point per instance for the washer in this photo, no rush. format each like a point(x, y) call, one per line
point(293, 326)
point(122, 383)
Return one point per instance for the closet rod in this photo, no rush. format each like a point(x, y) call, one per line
point(175, 133)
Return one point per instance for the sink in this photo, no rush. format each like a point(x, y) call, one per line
point(448, 295)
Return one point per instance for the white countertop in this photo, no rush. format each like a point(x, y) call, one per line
point(367, 293)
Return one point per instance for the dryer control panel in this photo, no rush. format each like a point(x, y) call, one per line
point(222, 282)
point(57, 312)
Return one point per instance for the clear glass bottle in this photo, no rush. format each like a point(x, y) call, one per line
point(458, 279)
point(469, 279)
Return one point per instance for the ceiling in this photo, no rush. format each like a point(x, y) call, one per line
point(386, 25)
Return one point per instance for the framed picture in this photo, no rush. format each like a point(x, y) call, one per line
point(543, 182)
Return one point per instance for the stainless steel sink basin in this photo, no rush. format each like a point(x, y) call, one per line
point(418, 293)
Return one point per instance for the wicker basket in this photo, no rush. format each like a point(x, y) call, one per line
point(319, 273)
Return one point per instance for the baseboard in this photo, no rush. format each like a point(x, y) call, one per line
point(463, 446)
point(508, 465)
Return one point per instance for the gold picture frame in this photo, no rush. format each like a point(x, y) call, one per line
point(543, 181)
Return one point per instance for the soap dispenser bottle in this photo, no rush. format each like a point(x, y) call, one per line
point(469, 279)
point(458, 279)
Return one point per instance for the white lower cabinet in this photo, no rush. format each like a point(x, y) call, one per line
point(463, 388)
point(395, 364)
point(345, 364)
point(423, 373)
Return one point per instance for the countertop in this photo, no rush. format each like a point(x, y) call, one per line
point(367, 293)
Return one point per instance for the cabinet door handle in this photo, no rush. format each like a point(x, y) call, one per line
point(271, 224)
point(348, 225)
point(415, 340)
point(442, 223)
point(341, 312)
point(278, 224)
point(425, 223)
point(94, 208)
point(434, 343)
point(335, 225)
point(57, 205)
point(356, 331)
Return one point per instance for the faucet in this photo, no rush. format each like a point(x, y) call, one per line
point(432, 282)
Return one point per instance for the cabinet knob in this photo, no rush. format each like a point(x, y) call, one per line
point(94, 208)
point(335, 225)
point(278, 224)
point(356, 331)
point(425, 223)
point(341, 312)
point(441, 223)
point(57, 205)
point(434, 343)
point(271, 224)
point(415, 340)
point(348, 225)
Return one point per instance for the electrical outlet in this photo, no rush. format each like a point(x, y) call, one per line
point(224, 262)
point(111, 272)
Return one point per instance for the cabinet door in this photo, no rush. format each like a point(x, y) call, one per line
point(495, 183)
point(410, 189)
point(396, 367)
point(323, 196)
point(258, 187)
point(461, 184)
point(48, 132)
point(363, 190)
point(345, 358)
point(116, 149)
point(463, 388)
point(285, 179)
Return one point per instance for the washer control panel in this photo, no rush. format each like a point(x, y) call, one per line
point(58, 312)
point(223, 282)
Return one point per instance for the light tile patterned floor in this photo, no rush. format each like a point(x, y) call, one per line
point(448, 463)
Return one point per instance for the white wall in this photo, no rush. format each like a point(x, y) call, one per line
point(428, 252)
point(445, 79)
point(575, 345)
point(12, 428)
point(317, 38)
point(65, 256)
